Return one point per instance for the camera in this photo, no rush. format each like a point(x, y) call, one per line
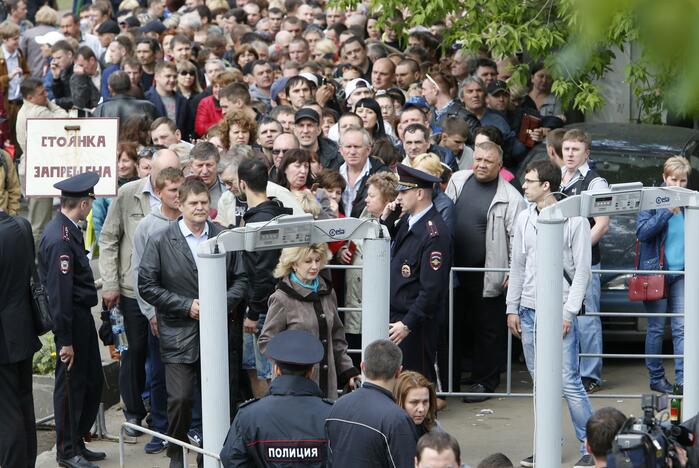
point(648, 442)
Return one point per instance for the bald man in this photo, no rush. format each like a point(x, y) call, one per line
point(383, 74)
point(135, 200)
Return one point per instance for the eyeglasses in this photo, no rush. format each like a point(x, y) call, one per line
point(187, 73)
point(531, 181)
point(277, 152)
point(147, 152)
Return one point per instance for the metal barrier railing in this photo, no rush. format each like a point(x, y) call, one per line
point(508, 383)
point(185, 446)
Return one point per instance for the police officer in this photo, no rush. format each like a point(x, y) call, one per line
point(286, 427)
point(420, 263)
point(66, 273)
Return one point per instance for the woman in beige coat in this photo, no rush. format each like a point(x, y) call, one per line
point(305, 301)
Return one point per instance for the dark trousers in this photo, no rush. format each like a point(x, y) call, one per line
point(132, 365)
point(17, 426)
point(158, 391)
point(480, 328)
point(181, 381)
point(76, 397)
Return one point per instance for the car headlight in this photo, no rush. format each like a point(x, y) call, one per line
point(618, 283)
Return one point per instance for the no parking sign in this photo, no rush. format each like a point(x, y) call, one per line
point(61, 148)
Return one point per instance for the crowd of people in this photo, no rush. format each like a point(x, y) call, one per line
point(233, 113)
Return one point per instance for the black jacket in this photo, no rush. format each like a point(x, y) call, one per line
point(456, 109)
point(329, 154)
point(359, 202)
point(61, 89)
point(285, 428)
point(123, 106)
point(168, 279)
point(84, 92)
point(18, 339)
point(260, 265)
point(367, 428)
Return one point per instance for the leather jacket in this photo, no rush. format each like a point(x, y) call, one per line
point(123, 106)
point(168, 280)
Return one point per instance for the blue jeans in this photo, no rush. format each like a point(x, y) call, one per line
point(252, 357)
point(656, 330)
point(591, 331)
point(573, 391)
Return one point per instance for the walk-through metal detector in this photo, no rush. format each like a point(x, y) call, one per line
point(618, 199)
point(285, 231)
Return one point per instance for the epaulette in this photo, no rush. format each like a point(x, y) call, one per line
point(65, 234)
point(328, 401)
point(432, 229)
point(247, 402)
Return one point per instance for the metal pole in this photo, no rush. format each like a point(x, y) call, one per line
point(690, 404)
point(376, 287)
point(213, 337)
point(549, 340)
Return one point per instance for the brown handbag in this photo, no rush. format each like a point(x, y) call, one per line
point(528, 124)
point(648, 287)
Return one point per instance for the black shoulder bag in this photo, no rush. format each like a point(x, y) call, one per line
point(43, 322)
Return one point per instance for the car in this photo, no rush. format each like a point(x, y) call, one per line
point(628, 153)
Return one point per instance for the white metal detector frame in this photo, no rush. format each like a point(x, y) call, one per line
point(618, 199)
point(285, 231)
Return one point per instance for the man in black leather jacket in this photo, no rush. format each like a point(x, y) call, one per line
point(120, 104)
point(168, 279)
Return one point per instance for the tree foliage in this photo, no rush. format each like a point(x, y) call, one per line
point(577, 40)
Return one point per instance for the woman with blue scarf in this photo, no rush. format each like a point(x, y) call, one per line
point(305, 301)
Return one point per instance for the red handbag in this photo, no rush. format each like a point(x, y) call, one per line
point(648, 287)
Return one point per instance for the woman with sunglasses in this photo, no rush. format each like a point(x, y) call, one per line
point(187, 83)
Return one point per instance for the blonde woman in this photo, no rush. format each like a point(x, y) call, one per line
point(305, 301)
point(187, 82)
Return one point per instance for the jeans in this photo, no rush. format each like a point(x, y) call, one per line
point(591, 330)
point(132, 366)
point(656, 328)
point(252, 357)
point(573, 391)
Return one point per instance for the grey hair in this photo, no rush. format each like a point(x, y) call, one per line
point(382, 359)
point(366, 137)
point(472, 79)
point(490, 147)
point(232, 158)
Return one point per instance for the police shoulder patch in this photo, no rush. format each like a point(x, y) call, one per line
point(64, 264)
point(436, 260)
point(432, 229)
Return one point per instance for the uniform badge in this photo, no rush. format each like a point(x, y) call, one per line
point(64, 264)
point(436, 260)
point(66, 235)
point(432, 229)
point(405, 271)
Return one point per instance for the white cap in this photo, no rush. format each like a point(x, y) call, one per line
point(310, 77)
point(50, 38)
point(352, 86)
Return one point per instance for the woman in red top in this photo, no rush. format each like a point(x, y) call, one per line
point(209, 111)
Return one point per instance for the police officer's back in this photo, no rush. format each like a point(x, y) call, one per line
point(286, 427)
point(66, 273)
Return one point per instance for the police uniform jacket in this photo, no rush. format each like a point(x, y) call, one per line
point(168, 279)
point(420, 263)
point(283, 429)
point(66, 273)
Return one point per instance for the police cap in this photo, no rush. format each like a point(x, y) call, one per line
point(410, 178)
point(297, 347)
point(79, 186)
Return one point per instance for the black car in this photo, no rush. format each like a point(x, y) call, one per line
point(628, 153)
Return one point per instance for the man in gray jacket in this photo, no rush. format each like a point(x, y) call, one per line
point(168, 280)
point(486, 206)
point(541, 177)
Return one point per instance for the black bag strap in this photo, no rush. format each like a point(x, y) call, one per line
point(28, 234)
point(567, 277)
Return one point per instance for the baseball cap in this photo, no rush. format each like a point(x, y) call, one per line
point(50, 38)
point(278, 86)
point(109, 26)
point(306, 113)
point(497, 86)
point(354, 84)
